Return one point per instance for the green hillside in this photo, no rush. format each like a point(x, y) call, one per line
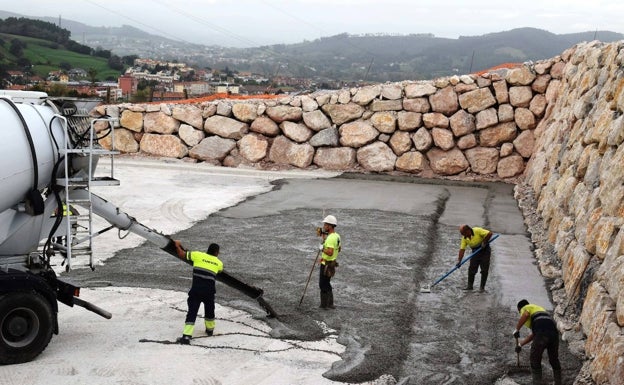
point(46, 56)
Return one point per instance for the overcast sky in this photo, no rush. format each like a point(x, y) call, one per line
point(244, 23)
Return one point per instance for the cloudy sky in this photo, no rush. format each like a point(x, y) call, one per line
point(244, 23)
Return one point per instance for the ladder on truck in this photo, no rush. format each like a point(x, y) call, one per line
point(78, 222)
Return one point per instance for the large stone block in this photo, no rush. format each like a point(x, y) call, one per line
point(483, 160)
point(253, 147)
point(188, 114)
point(342, 113)
point(160, 123)
point(281, 113)
point(422, 139)
point(495, 136)
point(316, 120)
point(510, 166)
point(225, 127)
point(340, 158)
point(477, 100)
point(212, 148)
point(245, 112)
point(376, 157)
point(384, 121)
point(131, 120)
point(169, 146)
point(444, 101)
point(413, 162)
point(124, 141)
point(450, 162)
point(283, 151)
point(400, 142)
point(357, 134)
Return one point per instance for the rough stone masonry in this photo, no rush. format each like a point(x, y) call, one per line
point(555, 127)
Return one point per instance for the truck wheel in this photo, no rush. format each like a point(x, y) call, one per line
point(26, 323)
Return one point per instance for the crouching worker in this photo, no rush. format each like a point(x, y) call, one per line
point(544, 335)
point(206, 266)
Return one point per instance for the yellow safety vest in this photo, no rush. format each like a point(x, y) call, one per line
point(532, 310)
point(204, 265)
point(332, 241)
point(478, 235)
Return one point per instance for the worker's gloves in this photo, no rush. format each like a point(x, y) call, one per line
point(516, 334)
point(321, 247)
point(518, 348)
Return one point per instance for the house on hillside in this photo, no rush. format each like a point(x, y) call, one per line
point(193, 88)
point(127, 84)
point(226, 88)
point(15, 75)
point(77, 73)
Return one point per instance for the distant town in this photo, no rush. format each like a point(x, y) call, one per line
point(154, 80)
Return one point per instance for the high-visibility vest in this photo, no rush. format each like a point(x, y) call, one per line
point(205, 266)
point(478, 235)
point(332, 241)
point(539, 318)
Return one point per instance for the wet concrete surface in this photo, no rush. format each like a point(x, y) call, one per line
point(399, 234)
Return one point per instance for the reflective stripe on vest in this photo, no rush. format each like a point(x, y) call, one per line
point(204, 265)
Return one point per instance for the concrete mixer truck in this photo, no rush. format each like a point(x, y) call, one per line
point(49, 149)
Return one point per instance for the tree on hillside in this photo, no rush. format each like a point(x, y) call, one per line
point(100, 52)
point(92, 73)
point(129, 60)
point(17, 47)
point(115, 63)
point(42, 30)
point(34, 28)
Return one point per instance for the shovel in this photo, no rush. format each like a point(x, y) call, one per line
point(310, 275)
point(427, 288)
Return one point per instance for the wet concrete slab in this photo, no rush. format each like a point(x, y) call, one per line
point(398, 235)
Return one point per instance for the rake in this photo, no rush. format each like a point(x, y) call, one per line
point(427, 288)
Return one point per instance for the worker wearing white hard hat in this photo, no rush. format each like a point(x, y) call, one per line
point(329, 260)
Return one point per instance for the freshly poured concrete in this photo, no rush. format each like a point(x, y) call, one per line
point(398, 235)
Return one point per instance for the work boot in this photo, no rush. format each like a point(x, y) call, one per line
point(557, 377)
point(536, 374)
point(484, 277)
point(471, 278)
point(184, 340)
point(324, 300)
point(330, 301)
point(209, 332)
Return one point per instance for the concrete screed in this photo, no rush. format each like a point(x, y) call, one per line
point(398, 235)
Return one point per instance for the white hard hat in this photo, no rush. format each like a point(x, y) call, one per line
point(331, 220)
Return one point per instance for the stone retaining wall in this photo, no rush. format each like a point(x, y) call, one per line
point(479, 125)
point(577, 177)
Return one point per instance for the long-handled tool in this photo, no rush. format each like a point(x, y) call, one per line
point(427, 288)
point(309, 276)
point(518, 354)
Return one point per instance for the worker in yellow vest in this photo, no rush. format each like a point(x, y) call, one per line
point(544, 336)
point(206, 266)
point(329, 260)
point(475, 237)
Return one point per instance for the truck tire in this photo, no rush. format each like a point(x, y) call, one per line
point(26, 326)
